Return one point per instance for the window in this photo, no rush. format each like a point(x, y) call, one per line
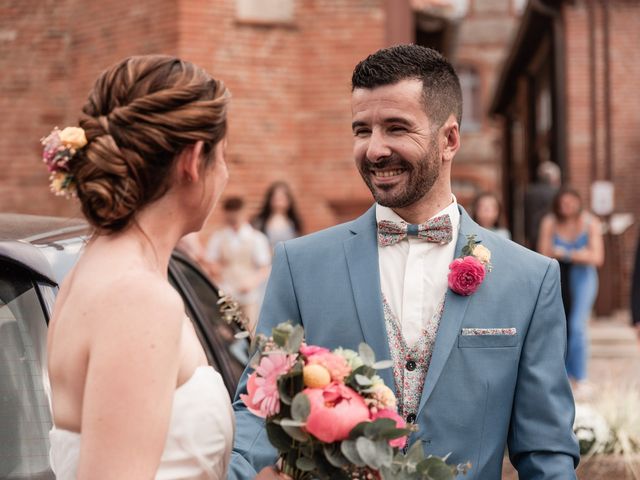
point(25, 418)
point(265, 11)
point(471, 105)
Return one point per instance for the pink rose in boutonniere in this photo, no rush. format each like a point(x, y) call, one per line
point(467, 273)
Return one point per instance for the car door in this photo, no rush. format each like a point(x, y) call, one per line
point(25, 418)
point(226, 353)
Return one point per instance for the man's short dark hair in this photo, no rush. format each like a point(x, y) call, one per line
point(441, 87)
point(233, 204)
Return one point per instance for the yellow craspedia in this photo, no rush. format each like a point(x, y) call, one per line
point(482, 253)
point(73, 137)
point(316, 376)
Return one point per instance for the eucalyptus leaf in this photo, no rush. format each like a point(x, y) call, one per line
point(349, 450)
point(415, 455)
point(278, 437)
point(334, 456)
point(366, 354)
point(288, 422)
point(435, 469)
point(358, 430)
point(300, 407)
point(374, 454)
point(305, 464)
point(295, 339)
point(383, 364)
point(362, 380)
point(296, 433)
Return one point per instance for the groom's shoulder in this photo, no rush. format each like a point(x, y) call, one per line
point(511, 253)
point(322, 239)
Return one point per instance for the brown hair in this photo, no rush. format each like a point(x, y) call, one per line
point(141, 113)
point(441, 90)
point(555, 206)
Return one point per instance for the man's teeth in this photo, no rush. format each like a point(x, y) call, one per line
point(388, 173)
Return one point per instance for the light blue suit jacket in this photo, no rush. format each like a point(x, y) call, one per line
point(481, 392)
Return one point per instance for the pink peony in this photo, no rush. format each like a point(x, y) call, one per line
point(337, 365)
point(465, 275)
point(335, 410)
point(262, 398)
point(311, 350)
point(400, 423)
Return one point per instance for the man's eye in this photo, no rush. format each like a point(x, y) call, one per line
point(361, 132)
point(398, 129)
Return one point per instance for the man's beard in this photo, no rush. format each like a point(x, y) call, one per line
point(421, 178)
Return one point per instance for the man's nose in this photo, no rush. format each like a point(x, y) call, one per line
point(377, 148)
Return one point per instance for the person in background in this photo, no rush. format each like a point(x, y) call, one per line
point(238, 258)
point(487, 212)
point(538, 199)
point(278, 218)
point(574, 236)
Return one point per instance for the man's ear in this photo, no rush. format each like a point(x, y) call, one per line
point(451, 133)
point(190, 162)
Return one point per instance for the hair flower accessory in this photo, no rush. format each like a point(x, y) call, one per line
point(467, 273)
point(59, 148)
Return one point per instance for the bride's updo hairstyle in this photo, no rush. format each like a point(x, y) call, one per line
point(140, 115)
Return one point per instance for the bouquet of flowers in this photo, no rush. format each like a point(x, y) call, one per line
point(330, 416)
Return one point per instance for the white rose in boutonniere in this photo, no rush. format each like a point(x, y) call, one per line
point(482, 253)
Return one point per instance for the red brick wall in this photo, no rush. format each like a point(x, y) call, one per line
point(625, 119)
point(35, 43)
point(50, 55)
point(289, 118)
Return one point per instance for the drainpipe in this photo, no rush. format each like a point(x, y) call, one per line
point(559, 80)
point(607, 92)
point(591, 25)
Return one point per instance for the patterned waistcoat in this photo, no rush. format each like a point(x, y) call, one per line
point(410, 364)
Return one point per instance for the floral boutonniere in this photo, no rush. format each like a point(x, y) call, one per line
point(467, 272)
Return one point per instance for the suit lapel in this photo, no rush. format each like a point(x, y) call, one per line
point(361, 251)
point(455, 308)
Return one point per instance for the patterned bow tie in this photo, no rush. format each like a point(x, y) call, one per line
point(436, 230)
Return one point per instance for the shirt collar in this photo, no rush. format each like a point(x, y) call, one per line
point(385, 213)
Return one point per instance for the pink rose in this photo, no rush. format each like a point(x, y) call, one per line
point(465, 275)
point(311, 350)
point(400, 423)
point(336, 365)
point(335, 411)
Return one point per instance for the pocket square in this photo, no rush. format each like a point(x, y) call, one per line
point(467, 332)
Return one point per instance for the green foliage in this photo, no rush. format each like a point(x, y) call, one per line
point(366, 450)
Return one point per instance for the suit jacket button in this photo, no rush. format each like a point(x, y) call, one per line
point(411, 418)
point(410, 365)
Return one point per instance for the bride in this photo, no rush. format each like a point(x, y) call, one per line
point(132, 395)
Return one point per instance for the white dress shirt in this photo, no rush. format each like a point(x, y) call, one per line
point(413, 274)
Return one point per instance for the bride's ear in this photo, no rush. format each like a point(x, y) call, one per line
point(190, 162)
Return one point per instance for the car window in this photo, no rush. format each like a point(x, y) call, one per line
point(205, 295)
point(25, 418)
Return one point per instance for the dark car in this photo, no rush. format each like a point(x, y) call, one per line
point(36, 253)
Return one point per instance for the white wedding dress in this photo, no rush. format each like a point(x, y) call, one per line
point(199, 440)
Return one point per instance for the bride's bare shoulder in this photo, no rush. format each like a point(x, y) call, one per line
point(133, 298)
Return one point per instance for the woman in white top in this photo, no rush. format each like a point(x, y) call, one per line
point(132, 395)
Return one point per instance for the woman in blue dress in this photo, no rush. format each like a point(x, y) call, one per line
point(574, 236)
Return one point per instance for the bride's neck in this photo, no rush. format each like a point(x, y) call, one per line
point(152, 236)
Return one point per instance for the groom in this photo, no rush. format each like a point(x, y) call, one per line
point(475, 372)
